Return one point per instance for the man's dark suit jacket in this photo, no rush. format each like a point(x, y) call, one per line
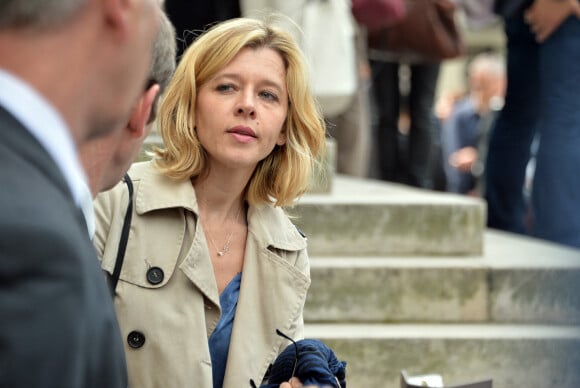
point(57, 321)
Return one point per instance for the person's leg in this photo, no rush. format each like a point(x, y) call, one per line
point(556, 187)
point(421, 99)
point(511, 136)
point(437, 167)
point(386, 93)
point(351, 129)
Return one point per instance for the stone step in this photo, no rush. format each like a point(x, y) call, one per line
point(516, 280)
point(365, 217)
point(514, 356)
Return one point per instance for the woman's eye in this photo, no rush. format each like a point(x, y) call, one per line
point(269, 96)
point(225, 87)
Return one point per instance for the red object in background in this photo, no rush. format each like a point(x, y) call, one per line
point(378, 14)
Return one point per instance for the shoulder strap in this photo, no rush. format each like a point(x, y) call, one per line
point(124, 236)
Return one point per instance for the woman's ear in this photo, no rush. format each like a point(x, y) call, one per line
point(282, 136)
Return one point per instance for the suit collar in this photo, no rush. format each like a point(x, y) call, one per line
point(47, 126)
point(17, 139)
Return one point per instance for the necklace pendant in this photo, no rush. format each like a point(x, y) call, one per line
point(224, 250)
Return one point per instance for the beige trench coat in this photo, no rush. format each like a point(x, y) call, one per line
point(176, 312)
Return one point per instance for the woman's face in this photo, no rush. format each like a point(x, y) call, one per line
point(240, 112)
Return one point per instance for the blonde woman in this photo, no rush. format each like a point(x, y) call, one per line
point(213, 266)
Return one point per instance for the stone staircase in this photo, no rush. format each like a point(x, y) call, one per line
point(411, 279)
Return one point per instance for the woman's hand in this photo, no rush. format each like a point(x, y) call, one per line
point(295, 383)
point(545, 16)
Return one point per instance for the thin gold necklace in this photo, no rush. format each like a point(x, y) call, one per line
point(226, 247)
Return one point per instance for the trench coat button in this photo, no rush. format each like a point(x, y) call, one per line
point(155, 275)
point(135, 339)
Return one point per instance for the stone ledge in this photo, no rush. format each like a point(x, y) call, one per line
point(517, 280)
point(513, 355)
point(532, 280)
point(363, 217)
point(384, 290)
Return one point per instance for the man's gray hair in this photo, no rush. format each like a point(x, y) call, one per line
point(164, 52)
point(489, 63)
point(36, 13)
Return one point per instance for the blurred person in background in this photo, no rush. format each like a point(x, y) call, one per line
point(464, 133)
point(542, 98)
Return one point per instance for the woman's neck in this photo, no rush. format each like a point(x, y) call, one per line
point(219, 201)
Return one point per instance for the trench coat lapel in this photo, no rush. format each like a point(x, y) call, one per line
point(198, 268)
point(272, 296)
point(157, 192)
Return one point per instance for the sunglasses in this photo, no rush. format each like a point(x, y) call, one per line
point(295, 363)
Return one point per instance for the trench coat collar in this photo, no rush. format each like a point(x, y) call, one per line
point(156, 191)
point(271, 227)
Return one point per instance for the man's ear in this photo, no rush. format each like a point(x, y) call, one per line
point(116, 13)
point(142, 111)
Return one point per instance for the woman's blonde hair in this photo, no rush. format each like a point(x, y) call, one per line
point(284, 174)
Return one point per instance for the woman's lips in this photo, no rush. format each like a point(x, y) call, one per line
point(243, 134)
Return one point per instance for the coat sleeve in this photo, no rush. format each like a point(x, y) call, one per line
point(303, 264)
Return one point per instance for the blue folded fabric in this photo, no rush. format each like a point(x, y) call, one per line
point(510, 8)
point(317, 365)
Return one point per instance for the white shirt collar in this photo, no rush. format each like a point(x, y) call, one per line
point(88, 210)
point(45, 123)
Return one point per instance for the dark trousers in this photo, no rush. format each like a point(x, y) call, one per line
point(543, 97)
point(408, 165)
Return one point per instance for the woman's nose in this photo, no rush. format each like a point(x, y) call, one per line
point(246, 106)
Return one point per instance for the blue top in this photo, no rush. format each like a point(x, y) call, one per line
point(462, 129)
point(219, 341)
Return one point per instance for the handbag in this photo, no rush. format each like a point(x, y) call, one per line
point(428, 30)
point(329, 45)
point(377, 14)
